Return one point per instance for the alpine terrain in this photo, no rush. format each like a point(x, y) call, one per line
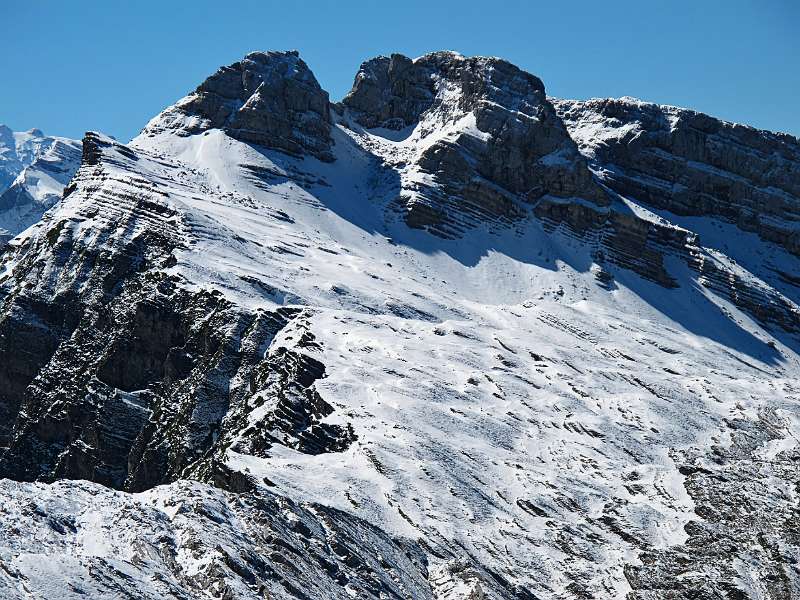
point(448, 338)
point(34, 169)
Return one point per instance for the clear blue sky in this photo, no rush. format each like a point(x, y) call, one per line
point(70, 66)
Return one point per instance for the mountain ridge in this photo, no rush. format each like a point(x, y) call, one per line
point(447, 358)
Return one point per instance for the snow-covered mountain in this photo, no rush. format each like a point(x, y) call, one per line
point(445, 339)
point(34, 169)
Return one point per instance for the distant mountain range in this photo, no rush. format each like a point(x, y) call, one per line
point(448, 338)
point(34, 168)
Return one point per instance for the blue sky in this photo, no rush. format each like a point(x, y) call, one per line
point(67, 67)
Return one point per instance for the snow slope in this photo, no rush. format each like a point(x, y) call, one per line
point(502, 403)
point(532, 428)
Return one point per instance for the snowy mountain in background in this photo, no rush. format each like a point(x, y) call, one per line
point(445, 339)
point(34, 169)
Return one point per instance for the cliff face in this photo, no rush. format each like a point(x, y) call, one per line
point(423, 343)
point(267, 98)
point(151, 365)
point(691, 164)
point(699, 172)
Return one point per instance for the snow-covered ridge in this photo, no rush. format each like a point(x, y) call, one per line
point(692, 164)
point(584, 400)
point(673, 110)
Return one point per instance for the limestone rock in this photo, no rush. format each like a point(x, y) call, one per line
point(488, 142)
point(268, 98)
point(692, 164)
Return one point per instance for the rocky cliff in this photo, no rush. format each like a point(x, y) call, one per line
point(421, 343)
point(486, 142)
point(691, 164)
point(267, 98)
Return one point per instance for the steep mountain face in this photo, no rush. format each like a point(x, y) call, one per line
point(34, 169)
point(691, 164)
point(703, 174)
point(478, 139)
point(417, 344)
point(268, 98)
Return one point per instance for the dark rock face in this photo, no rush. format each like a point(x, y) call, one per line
point(294, 409)
point(116, 374)
point(622, 239)
point(391, 92)
point(268, 98)
point(692, 164)
point(506, 146)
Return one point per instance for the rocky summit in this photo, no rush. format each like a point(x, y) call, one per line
point(268, 98)
point(34, 169)
point(448, 338)
point(479, 132)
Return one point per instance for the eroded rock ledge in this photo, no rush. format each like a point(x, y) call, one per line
point(692, 164)
point(268, 98)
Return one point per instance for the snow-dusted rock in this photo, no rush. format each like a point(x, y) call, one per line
point(588, 400)
point(267, 98)
point(691, 164)
point(75, 539)
point(475, 139)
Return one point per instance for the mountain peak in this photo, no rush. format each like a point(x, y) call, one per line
point(394, 91)
point(483, 132)
point(34, 168)
point(270, 99)
point(481, 352)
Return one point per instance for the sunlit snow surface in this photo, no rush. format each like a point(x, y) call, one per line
point(502, 399)
point(34, 169)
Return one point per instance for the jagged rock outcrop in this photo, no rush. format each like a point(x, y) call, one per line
point(34, 169)
point(268, 98)
point(392, 91)
point(488, 142)
point(152, 367)
point(689, 163)
point(289, 408)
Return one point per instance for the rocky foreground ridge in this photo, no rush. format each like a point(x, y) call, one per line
point(447, 338)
